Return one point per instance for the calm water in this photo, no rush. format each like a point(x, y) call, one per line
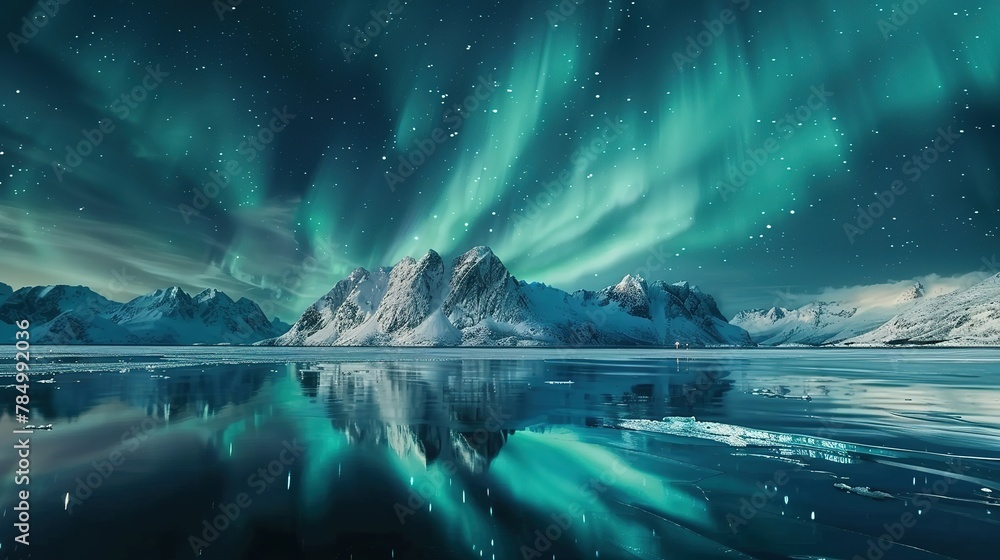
point(330, 453)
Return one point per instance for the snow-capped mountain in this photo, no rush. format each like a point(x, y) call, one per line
point(63, 314)
point(351, 303)
point(969, 317)
point(475, 301)
point(78, 315)
point(914, 293)
point(821, 323)
point(41, 304)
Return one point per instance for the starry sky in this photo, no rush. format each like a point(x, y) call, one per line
point(269, 148)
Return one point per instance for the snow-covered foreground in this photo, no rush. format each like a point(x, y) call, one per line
point(443, 453)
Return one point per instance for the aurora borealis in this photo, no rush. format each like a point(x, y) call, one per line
point(240, 148)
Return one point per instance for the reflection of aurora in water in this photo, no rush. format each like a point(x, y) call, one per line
point(462, 458)
point(444, 442)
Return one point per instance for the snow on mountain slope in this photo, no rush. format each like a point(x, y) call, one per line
point(631, 295)
point(350, 304)
point(914, 293)
point(821, 323)
point(435, 330)
point(73, 328)
point(414, 291)
point(41, 304)
point(482, 287)
point(969, 317)
point(77, 315)
point(482, 304)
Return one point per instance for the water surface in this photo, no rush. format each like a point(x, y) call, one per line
point(269, 453)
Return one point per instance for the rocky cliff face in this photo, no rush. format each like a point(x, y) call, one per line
point(415, 289)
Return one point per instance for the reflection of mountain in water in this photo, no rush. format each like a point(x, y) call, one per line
point(457, 412)
point(665, 388)
point(464, 412)
point(181, 393)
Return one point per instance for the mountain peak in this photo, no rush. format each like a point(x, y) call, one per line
point(41, 304)
point(631, 294)
point(212, 294)
point(684, 286)
point(632, 282)
point(914, 293)
point(358, 273)
point(172, 292)
point(480, 252)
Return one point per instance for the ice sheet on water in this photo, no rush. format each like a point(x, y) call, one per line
point(739, 436)
point(863, 491)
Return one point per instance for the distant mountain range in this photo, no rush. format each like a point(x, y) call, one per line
point(822, 322)
point(78, 315)
point(966, 317)
point(475, 301)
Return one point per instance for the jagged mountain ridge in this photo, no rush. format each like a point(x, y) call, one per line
point(78, 315)
point(477, 302)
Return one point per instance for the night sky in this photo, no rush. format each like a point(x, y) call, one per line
point(580, 145)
